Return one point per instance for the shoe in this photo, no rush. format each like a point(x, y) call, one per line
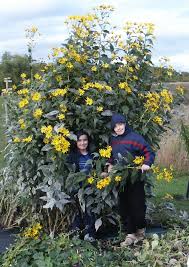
point(129, 240)
point(89, 238)
point(140, 234)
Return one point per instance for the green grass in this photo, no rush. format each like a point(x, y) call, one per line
point(2, 135)
point(177, 188)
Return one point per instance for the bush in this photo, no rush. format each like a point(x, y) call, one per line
point(170, 250)
point(95, 73)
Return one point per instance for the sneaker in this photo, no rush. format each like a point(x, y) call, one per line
point(140, 234)
point(89, 238)
point(129, 240)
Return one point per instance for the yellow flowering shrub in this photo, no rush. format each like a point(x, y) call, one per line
point(84, 83)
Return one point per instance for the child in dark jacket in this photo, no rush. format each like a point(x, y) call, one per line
point(132, 199)
point(79, 157)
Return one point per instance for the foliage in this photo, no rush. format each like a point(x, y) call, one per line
point(95, 73)
point(13, 66)
point(169, 250)
point(185, 136)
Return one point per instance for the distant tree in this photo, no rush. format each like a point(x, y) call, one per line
point(13, 66)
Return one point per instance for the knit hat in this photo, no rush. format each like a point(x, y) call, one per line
point(117, 118)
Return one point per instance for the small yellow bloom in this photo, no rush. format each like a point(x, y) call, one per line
point(37, 113)
point(90, 180)
point(118, 178)
point(61, 116)
point(23, 75)
point(105, 153)
point(158, 120)
point(37, 76)
point(69, 65)
point(89, 101)
point(168, 196)
point(62, 60)
point(64, 131)
point(138, 160)
point(27, 139)
point(99, 108)
point(81, 92)
point(180, 90)
point(36, 96)
point(24, 102)
point(94, 68)
point(16, 140)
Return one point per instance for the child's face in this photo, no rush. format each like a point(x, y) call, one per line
point(119, 128)
point(82, 142)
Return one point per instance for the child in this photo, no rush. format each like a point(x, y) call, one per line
point(132, 199)
point(79, 156)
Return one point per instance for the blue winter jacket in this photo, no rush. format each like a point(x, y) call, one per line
point(130, 142)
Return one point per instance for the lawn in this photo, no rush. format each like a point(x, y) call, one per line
point(176, 188)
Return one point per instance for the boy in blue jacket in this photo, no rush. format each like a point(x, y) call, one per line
point(132, 199)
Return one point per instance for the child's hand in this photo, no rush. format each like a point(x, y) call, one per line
point(104, 174)
point(110, 166)
point(145, 168)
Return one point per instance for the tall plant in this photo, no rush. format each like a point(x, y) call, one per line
point(94, 73)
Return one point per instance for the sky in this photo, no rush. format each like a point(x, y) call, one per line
point(171, 19)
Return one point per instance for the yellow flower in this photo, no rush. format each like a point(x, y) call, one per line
point(180, 90)
point(153, 102)
point(24, 102)
point(16, 140)
point(63, 107)
point(138, 160)
point(158, 120)
point(23, 75)
point(23, 126)
point(37, 76)
point(90, 180)
point(60, 143)
point(89, 101)
point(99, 108)
point(64, 131)
point(103, 182)
point(27, 139)
point(155, 169)
point(61, 116)
point(14, 87)
point(125, 86)
point(118, 178)
point(81, 92)
point(105, 65)
point(94, 68)
point(59, 92)
point(33, 231)
point(62, 60)
point(24, 91)
point(69, 65)
point(168, 196)
point(167, 96)
point(36, 96)
point(21, 121)
point(47, 130)
point(105, 153)
point(37, 113)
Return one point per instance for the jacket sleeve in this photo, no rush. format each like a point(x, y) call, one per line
point(146, 151)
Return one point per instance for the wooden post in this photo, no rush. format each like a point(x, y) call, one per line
point(7, 81)
point(187, 192)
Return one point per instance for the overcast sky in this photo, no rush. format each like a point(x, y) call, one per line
point(171, 19)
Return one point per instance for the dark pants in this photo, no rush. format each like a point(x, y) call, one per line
point(86, 222)
point(132, 206)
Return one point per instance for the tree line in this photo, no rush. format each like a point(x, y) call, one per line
point(13, 65)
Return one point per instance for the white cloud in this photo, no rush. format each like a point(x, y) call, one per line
point(171, 19)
